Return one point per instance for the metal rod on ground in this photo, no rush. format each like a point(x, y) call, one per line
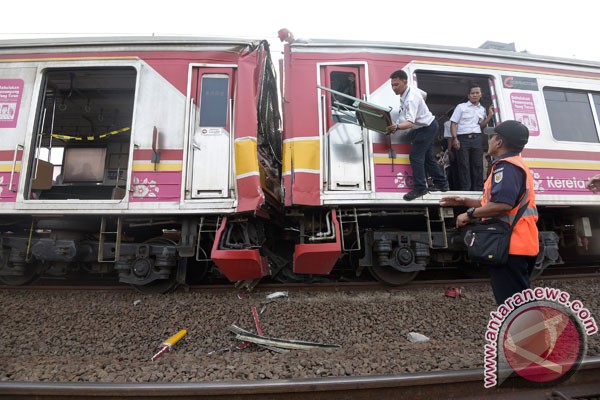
point(275, 342)
point(170, 342)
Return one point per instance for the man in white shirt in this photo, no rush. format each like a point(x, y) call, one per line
point(415, 115)
point(468, 120)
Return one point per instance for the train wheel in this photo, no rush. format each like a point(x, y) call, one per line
point(30, 274)
point(160, 286)
point(391, 276)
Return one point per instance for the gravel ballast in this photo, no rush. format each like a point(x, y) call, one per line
point(109, 336)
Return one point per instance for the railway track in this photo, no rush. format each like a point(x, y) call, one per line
point(464, 384)
point(449, 349)
point(372, 285)
point(434, 276)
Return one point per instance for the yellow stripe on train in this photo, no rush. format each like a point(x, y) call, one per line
point(161, 167)
point(246, 157)
point(302, 153)
point(562, 164)
point(387, 160)
point(7, 167)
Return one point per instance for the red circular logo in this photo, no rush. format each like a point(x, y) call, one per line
point(543, 344)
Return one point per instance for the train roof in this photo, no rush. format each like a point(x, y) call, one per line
point(46, 43)
point(371, 46)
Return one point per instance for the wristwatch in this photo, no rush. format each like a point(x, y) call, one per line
point(470, 213)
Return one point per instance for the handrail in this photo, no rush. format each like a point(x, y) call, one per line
point(14, 163)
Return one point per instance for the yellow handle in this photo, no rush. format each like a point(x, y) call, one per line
point(175, 338)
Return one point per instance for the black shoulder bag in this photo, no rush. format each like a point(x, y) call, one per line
point(488, 241)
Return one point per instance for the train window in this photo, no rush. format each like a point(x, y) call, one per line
point(571, 116)
point(344, 82)
point(55, 157)
point(214, 100)
point(596, 98)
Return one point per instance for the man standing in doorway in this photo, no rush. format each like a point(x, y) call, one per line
point(468, 120)
point(415, 115)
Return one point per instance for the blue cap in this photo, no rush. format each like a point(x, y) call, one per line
point(512, 131)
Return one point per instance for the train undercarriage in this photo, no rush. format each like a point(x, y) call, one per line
point(146, 253)
point(395, 245)
point(155, 255)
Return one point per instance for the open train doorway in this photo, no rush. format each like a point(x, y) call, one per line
point(81, 145)
point(445, 90)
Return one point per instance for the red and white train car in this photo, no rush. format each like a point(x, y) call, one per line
point(344, 184)
point(146, 155)
point(160, 158)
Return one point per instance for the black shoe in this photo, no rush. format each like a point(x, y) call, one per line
point(439, 188)
point(413, 194)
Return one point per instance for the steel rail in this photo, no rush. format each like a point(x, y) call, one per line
point(370, 285)
point(427, 385)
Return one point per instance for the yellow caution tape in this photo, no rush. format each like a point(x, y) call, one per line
point(88, 137)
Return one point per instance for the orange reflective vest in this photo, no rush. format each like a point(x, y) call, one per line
point(524, 239)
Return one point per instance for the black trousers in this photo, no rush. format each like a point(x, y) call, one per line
point(469, 159)
point(512, 277)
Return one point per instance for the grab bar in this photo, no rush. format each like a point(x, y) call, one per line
point(14, 163)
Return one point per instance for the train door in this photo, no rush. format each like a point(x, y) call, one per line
point(211, 130)
point(345, 143)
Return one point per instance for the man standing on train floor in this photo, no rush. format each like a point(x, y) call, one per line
point(509, 185)
point(467, 121)
point(415, 115)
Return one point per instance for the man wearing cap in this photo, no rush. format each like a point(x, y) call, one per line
point(509, 185)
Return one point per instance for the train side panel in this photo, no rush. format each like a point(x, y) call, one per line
point(158, 146)
point(362, 174)
point(132, 152)
point(16, 88)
